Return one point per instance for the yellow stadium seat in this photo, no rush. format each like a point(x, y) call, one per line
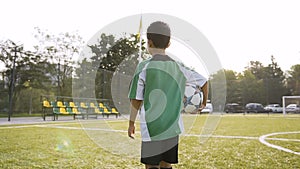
point(92, 105)
point(114, 110)
point(82, 105)
point(62, 110)
point(97, 111)
point(75, 110)
point(105, 110)
point(72, 104)
point(60, 104)
point(46, 104)
point(101, 105)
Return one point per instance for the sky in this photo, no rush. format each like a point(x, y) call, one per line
point(240, 31)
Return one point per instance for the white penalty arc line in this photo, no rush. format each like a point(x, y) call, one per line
point(263, 138)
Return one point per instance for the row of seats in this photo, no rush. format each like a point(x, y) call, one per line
point(78, 108)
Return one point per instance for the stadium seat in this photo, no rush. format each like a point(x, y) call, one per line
point(45, 108)
point(62, 110)
point(92, 105)
point(53, 104)
point(60, 104)
point(83, 105)
point(46, 104)
point(97, 111)
point(77, 104)
point(72, 104)
point(66, 104)
point(101, 105)
point(106, 112)
point(114, 111)
point(82, 108)
point(56, 110)
point(75, 110)
point(69, 110)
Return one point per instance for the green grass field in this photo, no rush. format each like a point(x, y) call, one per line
point(103, 143)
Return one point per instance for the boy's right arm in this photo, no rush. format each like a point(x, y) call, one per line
point(204, 89)
point(134, 108)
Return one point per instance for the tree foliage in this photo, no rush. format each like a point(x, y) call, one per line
point(109, 56)
point(59, 51)
point(293, 80)
point(257, 83)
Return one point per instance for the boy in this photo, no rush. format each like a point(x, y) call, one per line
point(157, 91)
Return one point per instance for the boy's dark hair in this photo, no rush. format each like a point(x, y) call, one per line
point(159, 33)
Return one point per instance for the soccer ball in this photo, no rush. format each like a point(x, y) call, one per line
point(193, 97)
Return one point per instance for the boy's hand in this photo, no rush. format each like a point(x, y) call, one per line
point(131, 131)
point(201, 107)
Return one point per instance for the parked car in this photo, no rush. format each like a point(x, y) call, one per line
point(274, 108)
point(255, 108)
point(208, 108)
point(233, 108)
point(292, 108)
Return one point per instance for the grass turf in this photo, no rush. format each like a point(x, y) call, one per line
point(79, 146)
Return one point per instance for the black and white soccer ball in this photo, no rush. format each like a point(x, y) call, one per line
point(193, 98)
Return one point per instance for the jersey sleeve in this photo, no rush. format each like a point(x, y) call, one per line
point(137, 84)
point(193, 78)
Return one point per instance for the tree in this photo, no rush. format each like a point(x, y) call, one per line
point(270, 81)
point(59, 51)
point(218, 90)
point(17, 61)
point(3, 93)
point(109, 56)
point(257, 69)
point(251, 87)
point(84, 80)
point(233, 87)
point(274, 82)
point(293, 81)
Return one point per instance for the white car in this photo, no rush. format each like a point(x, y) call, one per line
point(208, 108)
point(274, 108)
point(292, 108)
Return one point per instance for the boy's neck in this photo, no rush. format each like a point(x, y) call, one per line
point(157, 51)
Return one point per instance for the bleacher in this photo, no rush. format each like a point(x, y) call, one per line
point(81, 109)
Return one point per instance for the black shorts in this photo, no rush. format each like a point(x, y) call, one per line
point(153, 152)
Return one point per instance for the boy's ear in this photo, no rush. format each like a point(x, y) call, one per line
point(168, 44)
point(150, 43)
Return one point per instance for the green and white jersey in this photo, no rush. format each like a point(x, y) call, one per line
point(160, 82)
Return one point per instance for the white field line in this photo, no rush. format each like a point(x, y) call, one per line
point(55, 123)
point(186, 135)
point(16, 127)
point(81, 128)
point(263, 138)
